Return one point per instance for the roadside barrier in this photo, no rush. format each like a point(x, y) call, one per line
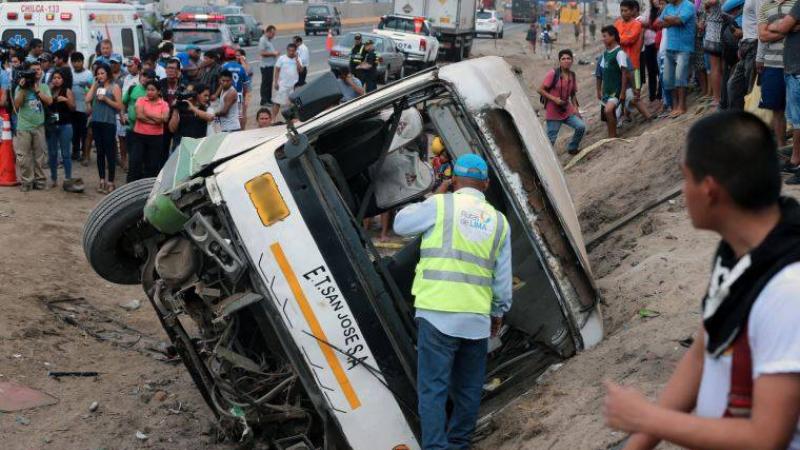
point(8, 161)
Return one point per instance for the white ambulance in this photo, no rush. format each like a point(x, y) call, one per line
point(82, 24)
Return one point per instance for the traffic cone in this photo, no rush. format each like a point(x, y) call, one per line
point(329, 41)
point(8, 166)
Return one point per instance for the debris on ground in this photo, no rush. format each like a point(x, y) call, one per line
point(160, 396)
point(57, 374)
point(141, 436)
point(93, 407)
point(22, 420)
point(16, 397)
point(132, 305)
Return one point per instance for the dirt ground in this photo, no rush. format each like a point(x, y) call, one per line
point(59, 316)
point(656, 262)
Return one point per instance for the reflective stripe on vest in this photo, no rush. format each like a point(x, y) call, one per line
point(456, 270)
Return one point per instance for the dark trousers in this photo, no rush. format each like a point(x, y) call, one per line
point(105, 140)
point(725, 98)
point(79, 125)
point(145, 152)
point(650, 64)
point(451, 366)
point(267, 74)
point(743, 75)
point(369, 78)
point(302, 80)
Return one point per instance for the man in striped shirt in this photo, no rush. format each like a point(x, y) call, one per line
point(770, 57)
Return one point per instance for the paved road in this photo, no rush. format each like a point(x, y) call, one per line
point(319, 56)
point(316, 45)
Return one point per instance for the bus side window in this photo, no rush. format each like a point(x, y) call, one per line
point(140, 37)
point(128, 48)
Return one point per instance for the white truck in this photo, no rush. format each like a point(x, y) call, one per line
point(414, 36)
point(452, 22)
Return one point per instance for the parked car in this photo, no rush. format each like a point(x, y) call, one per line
point(414, 37)
point(297, 331)
point(244, 28)
point(391, 61)
point(196, 9)
point(321, 18)
point(489, 22)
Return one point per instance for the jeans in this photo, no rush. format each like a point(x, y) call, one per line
point(743, 76)
point(105, 140)
point(267, 74)
point(793, 100)
point(59, 141)
point(457, 366)
point(676, 69)
point(665, 94)
point(574, 122)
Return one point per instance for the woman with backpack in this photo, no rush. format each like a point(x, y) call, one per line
point(558, 92)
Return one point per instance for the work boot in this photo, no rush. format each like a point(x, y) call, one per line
point(74, 185)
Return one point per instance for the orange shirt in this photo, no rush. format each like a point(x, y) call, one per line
point(631, 38)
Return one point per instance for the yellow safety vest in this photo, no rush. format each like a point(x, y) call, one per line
point(456, 268)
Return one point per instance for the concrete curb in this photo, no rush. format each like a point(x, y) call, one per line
point(298, 26)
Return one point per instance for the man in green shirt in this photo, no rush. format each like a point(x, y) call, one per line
point(135, 151)
point(30, 100)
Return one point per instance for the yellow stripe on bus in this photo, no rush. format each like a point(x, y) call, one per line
point(313, 323)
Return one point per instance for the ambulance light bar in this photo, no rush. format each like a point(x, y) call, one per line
point(189, 17)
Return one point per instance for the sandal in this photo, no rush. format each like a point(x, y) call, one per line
point(101, 187)
point(110, 187)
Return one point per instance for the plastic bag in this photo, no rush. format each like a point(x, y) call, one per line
point(751, 102)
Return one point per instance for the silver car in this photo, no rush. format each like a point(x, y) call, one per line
point(205, 36)
point(390, 60)
point(244, 28)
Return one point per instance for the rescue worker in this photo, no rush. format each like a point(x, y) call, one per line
point(462, 289)
point(356, 53)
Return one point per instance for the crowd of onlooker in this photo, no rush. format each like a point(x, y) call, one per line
point(723, 48)
point(134, 111)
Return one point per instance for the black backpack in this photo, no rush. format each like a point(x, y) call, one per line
point(556, 77)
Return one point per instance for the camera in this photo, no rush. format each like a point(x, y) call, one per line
point(182, 100)
point(28, 75)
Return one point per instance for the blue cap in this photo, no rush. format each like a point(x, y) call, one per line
point(471, 166)
point(730, 5)
point(115, 57)
point(192, 47)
